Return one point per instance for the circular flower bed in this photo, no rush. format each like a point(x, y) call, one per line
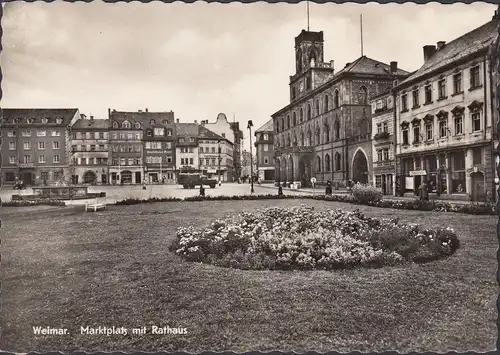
point(302, 238)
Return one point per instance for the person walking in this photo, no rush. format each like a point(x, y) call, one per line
point(424, 193)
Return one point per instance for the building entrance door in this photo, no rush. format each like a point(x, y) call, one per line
point(138, 177)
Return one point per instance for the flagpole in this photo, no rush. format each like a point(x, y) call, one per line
point(307, 15)
point(361, 25)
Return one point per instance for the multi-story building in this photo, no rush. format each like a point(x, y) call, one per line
point(246, 164)
point(36, 145)
point(125, 147)
point(231, 132)
point(444, 114)
point(89, 148)
point(159, 146)
point(264, 152)
point(325, 131)
point(216, 155)
point(186, 149)
point(383, 142)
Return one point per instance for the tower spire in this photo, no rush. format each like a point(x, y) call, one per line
point(361, 25)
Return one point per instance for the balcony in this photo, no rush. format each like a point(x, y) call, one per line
point(26, 165)
point(381, 136)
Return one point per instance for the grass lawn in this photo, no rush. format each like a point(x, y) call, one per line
point(113, 268)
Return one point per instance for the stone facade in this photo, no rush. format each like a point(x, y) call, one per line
point(89, 147)
point(216, 155)
point(444, 118)
point(264, 151)
point(36, 145)
point(325, 131)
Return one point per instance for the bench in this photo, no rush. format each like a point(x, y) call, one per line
point(97, 204)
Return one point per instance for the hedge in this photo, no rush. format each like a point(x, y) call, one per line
point(418, 205)
point(24, 203)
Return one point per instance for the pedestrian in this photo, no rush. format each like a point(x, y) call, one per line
point(202, 190)
point(280, 190)
point(424, 193)
point(144, 184)
point(328, 190)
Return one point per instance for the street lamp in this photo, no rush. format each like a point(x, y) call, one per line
point(218, 171)
point(250, 125)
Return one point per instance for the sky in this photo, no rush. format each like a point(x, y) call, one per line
point(200, 59)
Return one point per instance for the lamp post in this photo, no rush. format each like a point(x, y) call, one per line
point(250, 125)
point(218, 170)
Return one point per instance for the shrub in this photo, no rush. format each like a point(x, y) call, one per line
point(302, 238)
point(364, 193)
point(24, 203)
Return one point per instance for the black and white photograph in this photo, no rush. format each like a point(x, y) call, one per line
point(249, 177)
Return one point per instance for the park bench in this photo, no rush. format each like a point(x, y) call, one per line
point(96, 204)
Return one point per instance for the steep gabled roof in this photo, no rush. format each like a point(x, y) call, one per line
point(187, 129)
point(267, 127)
point(205, 133)
point(365, 65)
point(36, 114)
point(472, 42)
point(86, 124)
point(143, 117)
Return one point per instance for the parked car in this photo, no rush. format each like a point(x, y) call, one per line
point(190, 181)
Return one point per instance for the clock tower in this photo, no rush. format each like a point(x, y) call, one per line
point(309, 62)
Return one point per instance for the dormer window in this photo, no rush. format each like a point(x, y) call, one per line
point(137, 125)
point(165, 122)
point(29, 120)
point(169, 132)
point(59, 120)
point(149, 133)
point(181, 140)
point(152, 121)
point(44, 120)
point(126, 124)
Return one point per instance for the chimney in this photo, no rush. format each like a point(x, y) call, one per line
point(440, 44)
point(140, 111)
point(429, 52)
point(109, 112)
point(146, 109)
point(195, 121)
point(394, 67)
point(496, 15)
point(91, 118)
point(203, 123)
point(178, 121)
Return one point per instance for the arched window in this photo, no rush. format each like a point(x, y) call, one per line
point(336, 129)
point(309, 113)
point(294, 120)
point(115, 124)
point(294, 140)
point(302, 139)
point(318, 133)
point(282, 124)
point(137, 125)
point(316, 108)
point(288, 121)
point(337, 162)
point(363, 96)
point(326, 104)
point(336, 99)
point(318, 164)
point(301, 117)
point(327, 133)
point(125, 124)
point(327, 162)
point(288, 141)
point(309, 138)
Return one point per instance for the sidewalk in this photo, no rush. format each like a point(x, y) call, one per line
point(321, 191)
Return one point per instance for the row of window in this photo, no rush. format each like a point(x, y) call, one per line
point(91, 161)
point(383, 154)
point(89, 135)
point(45, 120)
point(183, 140)
point(125, 135)
point(135, 148)
point(27, 145)
point(383, 127)
point(282, 125)
point(90, 148)
point(475, 82)
point(158, 145)
point(212, 161)
point(327, 167)
point(124, 161)
point(443, 129)
point(158, 160)
point(27, 133)
point(28, 159)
